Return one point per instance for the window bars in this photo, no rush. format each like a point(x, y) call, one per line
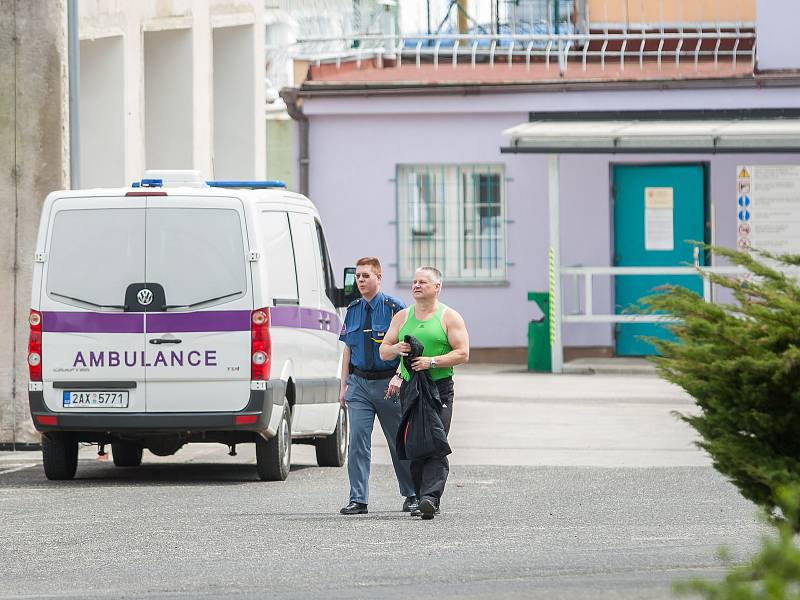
point(452, 217)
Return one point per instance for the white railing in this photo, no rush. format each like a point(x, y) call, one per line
point(587, 274)
point(698, 45)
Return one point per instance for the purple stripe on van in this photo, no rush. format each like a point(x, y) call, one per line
point(311, 318)
point(92, 322)
point(205, 321)
point(285, 316)
point(305, 318)
point(335, 324)
point(209, 320)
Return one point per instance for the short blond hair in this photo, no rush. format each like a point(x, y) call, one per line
point(436, 274)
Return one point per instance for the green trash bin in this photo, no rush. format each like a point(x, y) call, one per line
point(539, 358)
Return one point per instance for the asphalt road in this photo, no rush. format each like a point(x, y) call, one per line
point(560, 487)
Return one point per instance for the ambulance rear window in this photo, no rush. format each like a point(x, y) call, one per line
point(95, 254)
point(196, 254)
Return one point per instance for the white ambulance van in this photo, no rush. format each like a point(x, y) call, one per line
point(178, 311)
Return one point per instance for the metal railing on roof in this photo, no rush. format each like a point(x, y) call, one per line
point(724, 47)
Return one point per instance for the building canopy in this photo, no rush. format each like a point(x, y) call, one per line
point(655, 136)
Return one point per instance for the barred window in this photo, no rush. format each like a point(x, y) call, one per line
point(452, 217)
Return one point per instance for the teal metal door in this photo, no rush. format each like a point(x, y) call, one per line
point(657, 210)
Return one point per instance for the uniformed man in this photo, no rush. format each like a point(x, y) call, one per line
point(365, 378)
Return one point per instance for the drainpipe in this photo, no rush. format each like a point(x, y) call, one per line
point(74, 59)
point(294, 106)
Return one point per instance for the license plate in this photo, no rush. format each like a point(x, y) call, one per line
point(96, 399)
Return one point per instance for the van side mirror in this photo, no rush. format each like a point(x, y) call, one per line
point(349, 291)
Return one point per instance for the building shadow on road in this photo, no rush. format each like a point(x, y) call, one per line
point(154, 474)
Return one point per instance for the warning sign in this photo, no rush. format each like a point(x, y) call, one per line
point(744, 187)
point(768, 208)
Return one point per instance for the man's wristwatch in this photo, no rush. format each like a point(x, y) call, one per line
point(433, 362)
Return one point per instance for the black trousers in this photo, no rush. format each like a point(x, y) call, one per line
point(430, 474)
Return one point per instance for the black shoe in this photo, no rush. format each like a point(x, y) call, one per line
point(427, 509)
point(411, 504)
point(354, 508)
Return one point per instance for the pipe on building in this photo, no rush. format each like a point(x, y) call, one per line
point(74, 53)
point(462, 16)
point(294, 106)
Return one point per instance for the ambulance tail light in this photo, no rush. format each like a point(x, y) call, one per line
point(260, 345)
point(35, 346)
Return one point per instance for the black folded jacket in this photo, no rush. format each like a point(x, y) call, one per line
point(421, 433)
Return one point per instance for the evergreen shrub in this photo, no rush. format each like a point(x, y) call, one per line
point(741, 363)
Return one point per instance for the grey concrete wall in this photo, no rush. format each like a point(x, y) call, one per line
point(33, 162)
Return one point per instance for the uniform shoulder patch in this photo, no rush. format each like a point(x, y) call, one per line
point(353, 303)
point(393, 303)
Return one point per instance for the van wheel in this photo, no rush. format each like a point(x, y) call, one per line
point(59, 455)
point(332, 449)
point(274, 456)
point(126, 454)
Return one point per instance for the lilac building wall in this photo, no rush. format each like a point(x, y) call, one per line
point(356, 144)
point(776, 28)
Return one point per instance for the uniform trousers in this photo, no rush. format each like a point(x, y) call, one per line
point(365, 399)
point(430, 473)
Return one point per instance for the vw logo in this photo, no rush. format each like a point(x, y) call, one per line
point(144, 297)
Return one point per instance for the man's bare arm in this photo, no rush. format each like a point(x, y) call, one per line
point(458, 338)
point(391, 347)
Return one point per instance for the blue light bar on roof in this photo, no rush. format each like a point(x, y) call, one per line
point(254, 185)
point(148, 183)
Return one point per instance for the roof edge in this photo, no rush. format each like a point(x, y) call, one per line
point(311, 89)
point(647, 150)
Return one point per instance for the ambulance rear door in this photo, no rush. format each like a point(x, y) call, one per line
point(92, 343)
point(198, 332)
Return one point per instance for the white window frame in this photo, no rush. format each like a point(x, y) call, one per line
point(437, 215)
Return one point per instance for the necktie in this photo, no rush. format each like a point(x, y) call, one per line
point(369, 358)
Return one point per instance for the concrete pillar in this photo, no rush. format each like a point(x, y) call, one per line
point(34, 147)
point(133, 54)
point(202, 89)
point(169, 100)
point(102, 104)
point(234, 135)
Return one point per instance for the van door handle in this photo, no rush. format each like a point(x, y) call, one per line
point(165, 341)
point(325, 320)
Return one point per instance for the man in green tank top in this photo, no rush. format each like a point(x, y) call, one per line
point(443, 333)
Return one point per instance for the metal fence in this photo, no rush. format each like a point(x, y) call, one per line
point(584, 279)
point(723, 48)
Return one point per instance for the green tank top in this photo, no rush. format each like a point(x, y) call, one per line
point(432, 335)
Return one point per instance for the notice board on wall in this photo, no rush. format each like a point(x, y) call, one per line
point(768, 208)
point(659, 218)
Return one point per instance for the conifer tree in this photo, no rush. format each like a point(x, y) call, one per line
point(741, 363)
